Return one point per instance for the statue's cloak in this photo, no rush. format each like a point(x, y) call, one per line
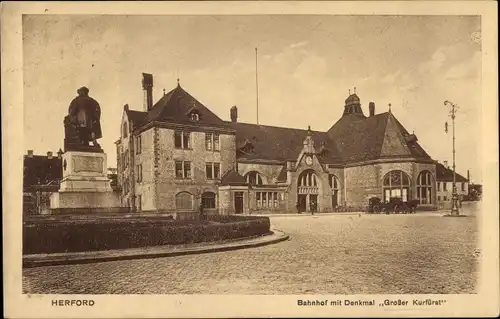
point(85, 112)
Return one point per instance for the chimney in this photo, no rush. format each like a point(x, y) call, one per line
point(234, 114)
point(468, 176)
point(49, 155)
point(371, 107)
point(445, 163)
point(147, 86)
point(30, 153)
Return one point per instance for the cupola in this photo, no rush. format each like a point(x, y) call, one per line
point(353, 105)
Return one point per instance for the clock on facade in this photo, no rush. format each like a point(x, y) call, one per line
point(309, 160)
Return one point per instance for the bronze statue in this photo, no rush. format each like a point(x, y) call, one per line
point(82, 124)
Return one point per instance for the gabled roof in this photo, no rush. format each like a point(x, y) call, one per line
point(444, 174)
point(233, 178)
point(360, 139)
point(175, 106)
point(280, 143)
point(138, 117)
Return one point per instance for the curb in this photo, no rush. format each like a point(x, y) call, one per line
point(40, 260)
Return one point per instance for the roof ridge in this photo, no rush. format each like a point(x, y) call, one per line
point(383, 140)
point(278, 127)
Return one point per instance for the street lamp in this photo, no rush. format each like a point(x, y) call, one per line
point(454, 195)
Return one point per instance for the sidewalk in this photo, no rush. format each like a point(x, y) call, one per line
point(38, 260)
point(418, 213)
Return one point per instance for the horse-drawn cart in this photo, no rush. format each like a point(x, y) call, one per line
point(394, 206)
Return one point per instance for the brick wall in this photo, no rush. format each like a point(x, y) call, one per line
point(363, 182)
point(167, 185)
point(146, 187)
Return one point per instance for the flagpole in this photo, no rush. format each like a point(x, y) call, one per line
point(257, 84)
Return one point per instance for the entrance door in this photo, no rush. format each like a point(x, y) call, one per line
point(238, 202)
point(302, 199)
point(313, 203)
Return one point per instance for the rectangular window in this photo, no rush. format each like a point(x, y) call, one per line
point(208, 141)
point(182, 169)
point(212, 142)
point(182, 139)
point(139, 173)
point(209, 170)
point(439, 198)
point(439, 186)
point(138, 144)
point(212, 170)
point(216, 142)
point(445, 198)
point(178, 139)
point(463, 187)
point(216, 170)
point(187, 169)
point(186, 141)
point(178, 169)
point(444, 186)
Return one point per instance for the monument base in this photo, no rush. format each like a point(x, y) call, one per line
point(85, 202)
point(85, 184)
point(85, 187)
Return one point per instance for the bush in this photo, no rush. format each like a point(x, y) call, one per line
point(52, 236)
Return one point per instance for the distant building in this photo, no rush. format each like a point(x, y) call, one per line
point(42, 175)
point(444, 183)
point(176, 155)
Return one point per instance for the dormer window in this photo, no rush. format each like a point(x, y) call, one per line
point(195, 117)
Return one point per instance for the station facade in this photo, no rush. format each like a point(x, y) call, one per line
point(176, 155)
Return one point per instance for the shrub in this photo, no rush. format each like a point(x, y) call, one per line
point(51, 236)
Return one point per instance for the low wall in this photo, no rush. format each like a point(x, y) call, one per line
point(60, 235)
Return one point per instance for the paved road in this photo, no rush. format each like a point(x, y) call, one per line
point(334, 254)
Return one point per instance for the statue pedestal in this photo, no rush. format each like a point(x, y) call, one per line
point(85, 186)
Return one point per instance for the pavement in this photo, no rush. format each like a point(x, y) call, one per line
point(38, 260)
point(325, 254)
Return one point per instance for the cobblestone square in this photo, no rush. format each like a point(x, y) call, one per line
point(421, 253)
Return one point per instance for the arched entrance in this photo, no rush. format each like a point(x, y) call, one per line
point(307, 191)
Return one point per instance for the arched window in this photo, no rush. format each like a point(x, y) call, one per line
point(335, 186)
point(208, 200)
point(308, 179)
point(424, 187)
point(253, 178)
point(396, 184)
point(125, 129)
point(184, 201)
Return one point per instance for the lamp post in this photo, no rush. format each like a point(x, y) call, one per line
point(454, 195)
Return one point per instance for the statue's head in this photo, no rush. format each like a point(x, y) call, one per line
point(83, 91)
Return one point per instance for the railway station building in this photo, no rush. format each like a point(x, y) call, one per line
point(176, 155)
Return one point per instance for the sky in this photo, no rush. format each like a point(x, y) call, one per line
point(306, 66)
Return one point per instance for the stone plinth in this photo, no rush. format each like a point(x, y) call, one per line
point(85, 186)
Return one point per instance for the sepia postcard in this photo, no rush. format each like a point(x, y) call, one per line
point(250, 159)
